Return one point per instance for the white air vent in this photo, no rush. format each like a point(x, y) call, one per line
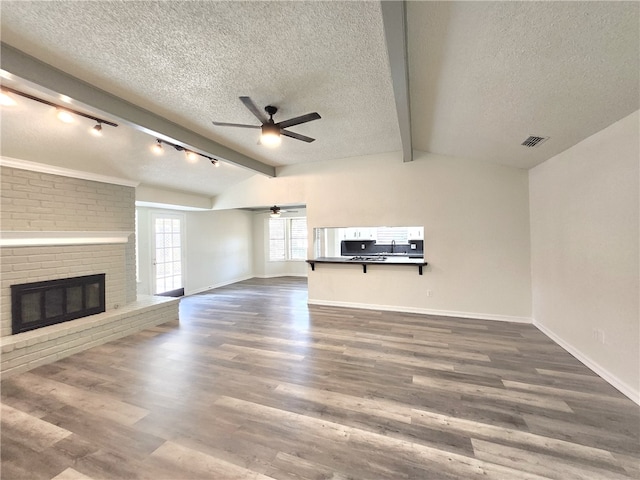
point(534, 141)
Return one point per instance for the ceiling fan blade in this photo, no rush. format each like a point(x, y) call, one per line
point(254, 109)
point(297, 136)
point(298, 120)
point(241, 125)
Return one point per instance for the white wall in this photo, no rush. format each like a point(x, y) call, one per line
point(218, 248)
point(585, 237)
point(264, 268)
point(476, 219)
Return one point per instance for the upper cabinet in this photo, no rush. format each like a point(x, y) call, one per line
point(415, 233)
point(382, 234)
point(359, 233)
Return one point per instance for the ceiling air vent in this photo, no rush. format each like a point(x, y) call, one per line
point(534, 141)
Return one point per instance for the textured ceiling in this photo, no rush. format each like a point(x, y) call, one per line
point(486, 75)
point(483, 77)
point(190, 61)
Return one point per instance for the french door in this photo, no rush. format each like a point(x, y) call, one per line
point(167, 252)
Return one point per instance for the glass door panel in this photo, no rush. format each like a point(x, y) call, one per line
point(167, 248)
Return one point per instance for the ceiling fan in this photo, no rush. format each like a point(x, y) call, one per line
point(271, 130)
point(275, 211)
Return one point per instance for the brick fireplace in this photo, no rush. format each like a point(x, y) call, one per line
point(54, 227)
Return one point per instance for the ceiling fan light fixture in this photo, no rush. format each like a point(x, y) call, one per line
point(270, 135)
point(275, 212)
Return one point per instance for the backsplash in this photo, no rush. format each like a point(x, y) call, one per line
point(371, 247)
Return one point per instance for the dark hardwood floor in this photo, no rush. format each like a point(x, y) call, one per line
point(253, 384)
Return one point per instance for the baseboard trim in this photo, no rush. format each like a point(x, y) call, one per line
point(615, 382)
point(422, 311)
point(277, 275)
point(217, 285)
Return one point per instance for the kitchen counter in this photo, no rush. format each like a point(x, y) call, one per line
point(371, 260)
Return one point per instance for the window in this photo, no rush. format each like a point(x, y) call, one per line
point(277, 239)
point(392, 234)
point(287, 239)
point(298, 238)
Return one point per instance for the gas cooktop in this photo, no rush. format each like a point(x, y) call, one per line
point(368, 259)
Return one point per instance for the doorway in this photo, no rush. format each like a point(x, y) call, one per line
point(167, 242)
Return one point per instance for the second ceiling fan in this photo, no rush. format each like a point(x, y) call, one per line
point(271, 130)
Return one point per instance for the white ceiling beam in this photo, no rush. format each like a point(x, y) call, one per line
point(394, 18)
point(41, 74)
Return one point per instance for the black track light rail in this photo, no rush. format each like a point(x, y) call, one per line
point(180, 148)
point(61, 107)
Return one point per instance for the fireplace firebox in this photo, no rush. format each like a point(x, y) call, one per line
point(38, 304)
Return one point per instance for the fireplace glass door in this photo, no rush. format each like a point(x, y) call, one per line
point(39, 304)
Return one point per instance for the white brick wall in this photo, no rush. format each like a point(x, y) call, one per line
point(40, 201)
point(32, 201)
point(35, 264)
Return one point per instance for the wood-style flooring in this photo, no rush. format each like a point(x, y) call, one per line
point(252, 383)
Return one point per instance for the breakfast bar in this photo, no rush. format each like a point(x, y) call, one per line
point(370, 260)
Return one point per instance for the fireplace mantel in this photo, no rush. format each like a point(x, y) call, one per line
point(41, 238)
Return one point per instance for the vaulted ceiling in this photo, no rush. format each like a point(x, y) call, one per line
point(483, 76)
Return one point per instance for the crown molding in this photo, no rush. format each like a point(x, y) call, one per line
point(64, 172)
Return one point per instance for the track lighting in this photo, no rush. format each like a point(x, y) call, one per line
point(6, 100)
point(157, 148)
point(64, 113)
point(97, 130)
point(190, 154)
point(64, 116)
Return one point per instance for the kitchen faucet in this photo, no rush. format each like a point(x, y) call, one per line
point(393, 244)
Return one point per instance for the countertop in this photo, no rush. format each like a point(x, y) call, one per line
point(390, 260)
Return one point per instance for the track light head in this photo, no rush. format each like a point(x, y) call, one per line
point(157, 147)
point(64, 115)
point(6, 100)
point(97, 130)
point(192, 157)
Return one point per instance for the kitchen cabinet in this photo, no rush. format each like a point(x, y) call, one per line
point(359, 233)
point(415, 233)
